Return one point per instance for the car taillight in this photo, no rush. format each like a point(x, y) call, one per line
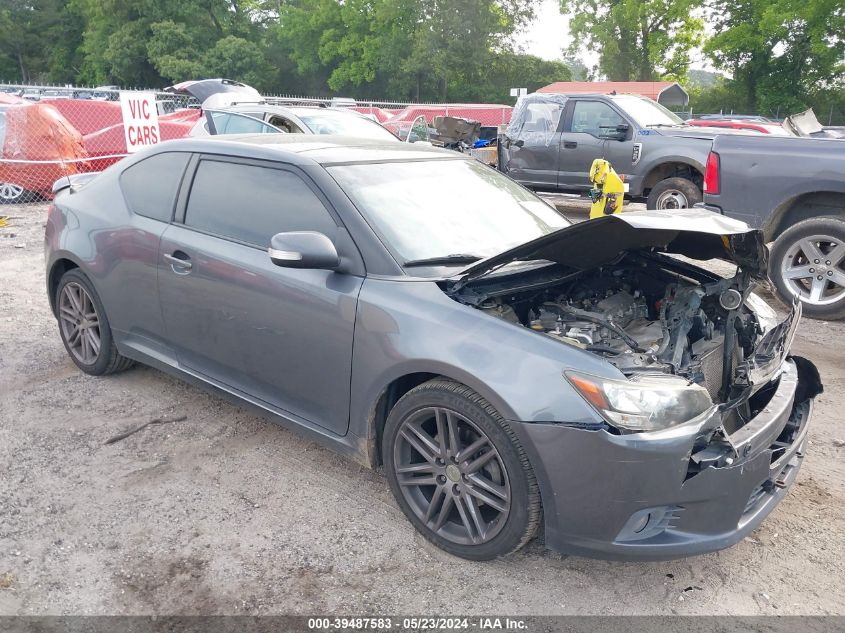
point(711, 174)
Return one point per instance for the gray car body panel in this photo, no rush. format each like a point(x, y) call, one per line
point(374, 324)
point(762, 176)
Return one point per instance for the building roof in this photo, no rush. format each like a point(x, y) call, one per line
point(671, 92)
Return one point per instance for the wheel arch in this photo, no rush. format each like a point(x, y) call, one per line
point(58, 268)
point(673, 168)
point(803, 206)
point(397, 387)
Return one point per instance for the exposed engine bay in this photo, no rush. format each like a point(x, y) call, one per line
point(642, 318)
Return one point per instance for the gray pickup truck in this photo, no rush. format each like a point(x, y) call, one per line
point(552, 140)
point(794, 190)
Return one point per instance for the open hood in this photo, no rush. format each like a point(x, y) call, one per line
point(202, 89)
point(694, 233)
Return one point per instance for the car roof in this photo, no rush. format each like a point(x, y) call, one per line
point(323, 149)
point(298, 110)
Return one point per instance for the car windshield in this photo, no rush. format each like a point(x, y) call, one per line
point(345, 123)
point(646, 112)
point(454, 211)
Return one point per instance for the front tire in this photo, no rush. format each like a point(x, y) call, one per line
point(84, 327)
point(459, 473)
point(674, 193)
point(808, 261)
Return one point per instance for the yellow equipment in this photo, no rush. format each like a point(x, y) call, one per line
point(608, 190)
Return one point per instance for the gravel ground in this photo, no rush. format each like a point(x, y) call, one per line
point(227, 513)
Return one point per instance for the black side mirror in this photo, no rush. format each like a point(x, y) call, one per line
point(303, 249)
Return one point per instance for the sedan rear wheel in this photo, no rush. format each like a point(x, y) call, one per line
point(808, 262)
point(84, 327)
point(459, 473)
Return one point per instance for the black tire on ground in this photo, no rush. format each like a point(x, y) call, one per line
point(465, 419)
point(674, 193)
point(804, 252)
point(105, 359)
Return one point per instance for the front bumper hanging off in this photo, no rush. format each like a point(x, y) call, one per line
point(635, 496)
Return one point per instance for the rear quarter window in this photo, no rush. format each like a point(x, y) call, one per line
point(150, 186)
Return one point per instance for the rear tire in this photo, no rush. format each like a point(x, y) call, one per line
point(674, 193)
point(84, 327)
point(808, 261)
point(459, 473)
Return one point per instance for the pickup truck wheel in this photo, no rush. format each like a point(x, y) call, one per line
point(674, 193)
point(808, 261)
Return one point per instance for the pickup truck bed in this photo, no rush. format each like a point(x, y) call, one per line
point(793, 189)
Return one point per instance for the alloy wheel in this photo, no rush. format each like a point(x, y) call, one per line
point(80, 323)
point(812, 269)
point(10, 192)
point(672, 199)
point(452, 476)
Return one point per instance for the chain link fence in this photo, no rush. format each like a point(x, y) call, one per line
point(48, 132)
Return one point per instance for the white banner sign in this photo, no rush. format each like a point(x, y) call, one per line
point(140, 120)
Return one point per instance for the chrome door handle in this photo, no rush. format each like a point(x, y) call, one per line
point(177, 262)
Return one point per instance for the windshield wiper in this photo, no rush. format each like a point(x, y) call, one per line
point(666, 125)
point(444, 260)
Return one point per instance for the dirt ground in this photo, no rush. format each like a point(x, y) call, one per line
point(226, 512)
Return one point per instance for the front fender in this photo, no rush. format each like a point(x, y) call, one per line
point(405, 327)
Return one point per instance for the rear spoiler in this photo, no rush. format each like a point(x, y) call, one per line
point(73, 182)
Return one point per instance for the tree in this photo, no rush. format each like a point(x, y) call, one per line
point(637, 40)
point(38, 41)
point(422, 49)
point(780, 52)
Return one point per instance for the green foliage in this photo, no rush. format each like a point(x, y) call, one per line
point(780, 56)
point(402, 49)
point(781, 53)
point(637, 40)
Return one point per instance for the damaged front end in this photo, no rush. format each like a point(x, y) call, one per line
point(707, 394)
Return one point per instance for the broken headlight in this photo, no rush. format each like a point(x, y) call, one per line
point(643, 403)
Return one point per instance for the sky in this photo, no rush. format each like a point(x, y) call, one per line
point(549, 33)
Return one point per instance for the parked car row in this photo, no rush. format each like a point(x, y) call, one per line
point(549, 144)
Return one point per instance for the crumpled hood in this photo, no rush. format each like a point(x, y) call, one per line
point(694, 233)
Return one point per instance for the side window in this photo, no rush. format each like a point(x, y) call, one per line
point(251, 204)
point(284, 124)
point(150, 186)
point(542, 117)
point(594, 117)
point(234, 123)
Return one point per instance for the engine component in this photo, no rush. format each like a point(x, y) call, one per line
point(730, 299)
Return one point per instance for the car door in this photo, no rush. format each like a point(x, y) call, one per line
point(531, 157)
point(581, 142)
point(130, 252)
point(280, 335)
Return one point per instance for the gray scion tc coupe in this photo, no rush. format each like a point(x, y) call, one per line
point(413, 308)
